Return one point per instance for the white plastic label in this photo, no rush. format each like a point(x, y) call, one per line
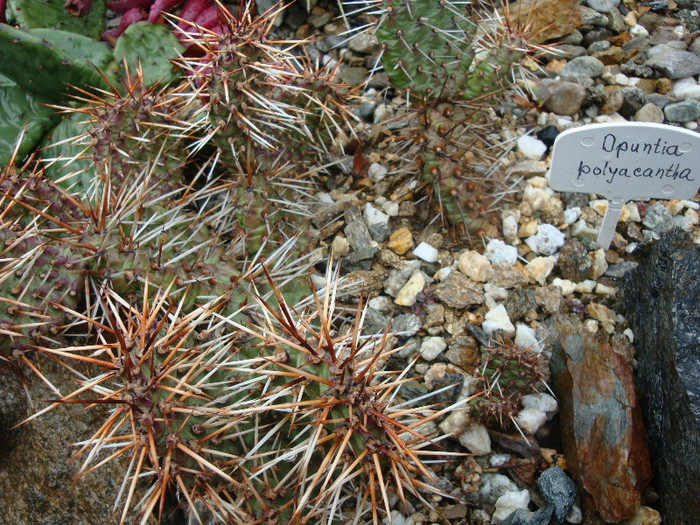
point(626, 161)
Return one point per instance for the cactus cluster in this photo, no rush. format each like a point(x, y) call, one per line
point(449, 57)
point(148, 242)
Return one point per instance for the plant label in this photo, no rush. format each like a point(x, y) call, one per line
point(626, 161)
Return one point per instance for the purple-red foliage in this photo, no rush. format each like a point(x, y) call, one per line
point(132, 16)
point(76, 7)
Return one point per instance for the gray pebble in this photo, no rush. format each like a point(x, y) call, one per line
point(659, 100)
point(565, 98)
point(683, 111)
point(603, 6)
point(525, 517)
point(358, 235)
point(557, 490)
point(601, 45)
point(658, 219)
point(584, 67)
point(673, 63)
point(406, 324)
point(592, 17)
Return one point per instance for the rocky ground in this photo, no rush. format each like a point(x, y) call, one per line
point(575, 451)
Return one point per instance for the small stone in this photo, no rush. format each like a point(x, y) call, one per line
point(550, 298)
point(525, 337)
point(358, 235)
point(457, 291)
point(547, 240)
point(493, 486)
point(508, 503)
point(567, 286)
point(531, 147)
point(340, 246)
point(644, 516)
point(540, 268)
point(658, 219)
point(601, 313)
point(364, 42)
point(528, 228)
point(600, 265)
point(407, 294)
point(475, 438)
point(571, 215)
point(541, 401)
point(431, 347)
point(583, 67)
point(406, 325)
point(574, 263)
point(497, 319)
point(686, 88)
point(602, 6)
point(376, 172)
point(558, 490)
point(564, 98)
point(683, 111)
point(377, 222)
point(649, 113)
point(498, 252)
point(586, 286)
point(426, 252)
point(401, 241)
point(383, 112)
point(638, 31)
point(530, 420)
point(575, 515)
point(475, 266)
point(510, 230)
point(673, 63)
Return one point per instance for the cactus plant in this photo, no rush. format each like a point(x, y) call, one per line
point(506, 373)
point(29, 14)
point(448, 58)
point(218, 409)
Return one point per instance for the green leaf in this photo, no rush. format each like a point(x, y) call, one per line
point(51, 13)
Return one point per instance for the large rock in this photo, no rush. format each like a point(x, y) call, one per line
point(601, 422)
point(37, 476)
point(661, 295)
point(546, 19)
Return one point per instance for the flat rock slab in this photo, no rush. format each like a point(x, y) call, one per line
point(661, 297)
point(603, 434)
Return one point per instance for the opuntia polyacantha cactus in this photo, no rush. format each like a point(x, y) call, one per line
point(448, 61)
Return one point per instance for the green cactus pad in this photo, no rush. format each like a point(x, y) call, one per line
point(60, 146)
point(79, 47)
point(427, 46)
point(50, 72)
point(17, 110)
point(151, 48)
point(52, 13)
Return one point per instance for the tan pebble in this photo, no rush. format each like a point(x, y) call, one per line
point(674, 206)
point(602, 289)
point(591, 325)
point(567, 286)
point(600, 265)
point(555, 66)
point(475, 266)
point(599, 205)
point(401, 241)
point(692, 215)
point(624, 214)
point(527, 228)
point(540, 268)
point(664, 85)
point(407, 294)
point(634, 212)
point(630, 19)
point(340, 246)
point(601, 313)
point(538, 182)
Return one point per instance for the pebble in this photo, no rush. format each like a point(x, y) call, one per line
point(426, 252)
point(564, 98)
point(658, 219)
point(531, 147)
point(364, 42)
point(498, 252)
point(686, 88)
point(673, 63)
point(557, 490)
point(376, 172)
point(603, 6)
point(497, 319)
point(525, 337)
point(583, 67)
point(401, 241)
point(457, 291)
point(340, 246)
point(683, 111)
point(571, 215)
point(601, 313)
point(409, 291)
point(567, 286)
point(431, 347)
point(540, 267)
point(575, 515)
point(547, 240)
point(475, 266)
point(649, 113)
point(530, 420)
point(510, 229)
point(377, 222)
point(541, 401)
point(508, 503)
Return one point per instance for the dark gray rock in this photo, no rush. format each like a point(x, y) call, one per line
point(557, 490)
point(584, 67)
point(661, 298)
point(683, 111)
point(525, 517)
